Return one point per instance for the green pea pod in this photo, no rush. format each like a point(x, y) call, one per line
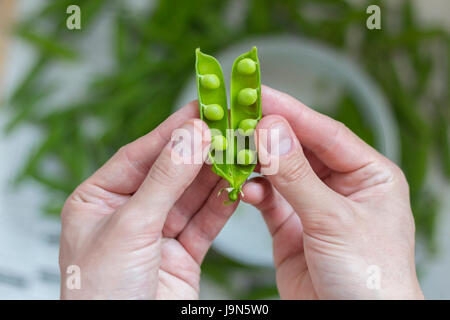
point(208, 95)
point(233, 153)
point(245, 112)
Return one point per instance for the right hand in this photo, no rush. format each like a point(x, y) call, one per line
point(338, 211)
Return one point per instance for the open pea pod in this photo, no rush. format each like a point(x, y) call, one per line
point(233, 151)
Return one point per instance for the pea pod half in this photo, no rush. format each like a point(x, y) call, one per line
point(233, 152)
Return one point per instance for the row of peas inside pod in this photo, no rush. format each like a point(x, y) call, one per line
point(232, 153)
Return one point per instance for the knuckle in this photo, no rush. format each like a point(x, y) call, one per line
point(170, 230)
point(174, 223)
point(123, 151)
point(129, 223)
point(294, 169)
point(339, 130)
point(66, 210)
point(71, 204)
point(163, 173)
point(334, 221)
point(340, 126)
point(397, 173)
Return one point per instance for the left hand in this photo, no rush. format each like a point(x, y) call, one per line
point(141, 225)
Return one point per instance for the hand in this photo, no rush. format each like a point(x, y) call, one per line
point(338, 211)
point(141, 225)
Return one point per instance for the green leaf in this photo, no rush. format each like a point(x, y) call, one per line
point(47, 46)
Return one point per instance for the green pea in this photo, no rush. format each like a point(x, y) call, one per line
point(210, 81)
point(247, 96)
point(246, 66)
point(247, 126)
point(245, 157)
point(243, 116)
point(219, 143)
point(213, 112)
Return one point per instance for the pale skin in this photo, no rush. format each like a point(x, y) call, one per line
point(140, 227)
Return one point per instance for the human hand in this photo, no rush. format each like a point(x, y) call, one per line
point(338, 211)
point(141, 225)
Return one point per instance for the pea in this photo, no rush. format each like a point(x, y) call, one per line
point(210, 81)
point(247, 126)
point(213, 112)
point(245, 157)
point(247, 96)
point(219, 143)
point(246, 66)
point(245, 112)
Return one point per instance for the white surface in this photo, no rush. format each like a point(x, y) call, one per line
point(28, 242)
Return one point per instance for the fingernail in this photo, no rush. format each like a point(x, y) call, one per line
point(186, 139)
point(280, 139)
point(202, 130)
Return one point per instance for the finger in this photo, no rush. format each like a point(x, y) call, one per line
point(127, 169)
point(203, 228)
point(333, 143)
point(350, 184)
point(190, 202)
point(321, 170)
point(275, 210)
point(169, 177)
point(290, 172)
point(283, 223)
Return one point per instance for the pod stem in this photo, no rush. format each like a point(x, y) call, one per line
point(233, 195)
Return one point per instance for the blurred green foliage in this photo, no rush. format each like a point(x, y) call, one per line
point(154, 57)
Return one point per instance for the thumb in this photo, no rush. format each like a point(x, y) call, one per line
point(173, 171)
point(286, 167)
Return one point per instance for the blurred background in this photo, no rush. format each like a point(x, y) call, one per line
point(70, 98)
